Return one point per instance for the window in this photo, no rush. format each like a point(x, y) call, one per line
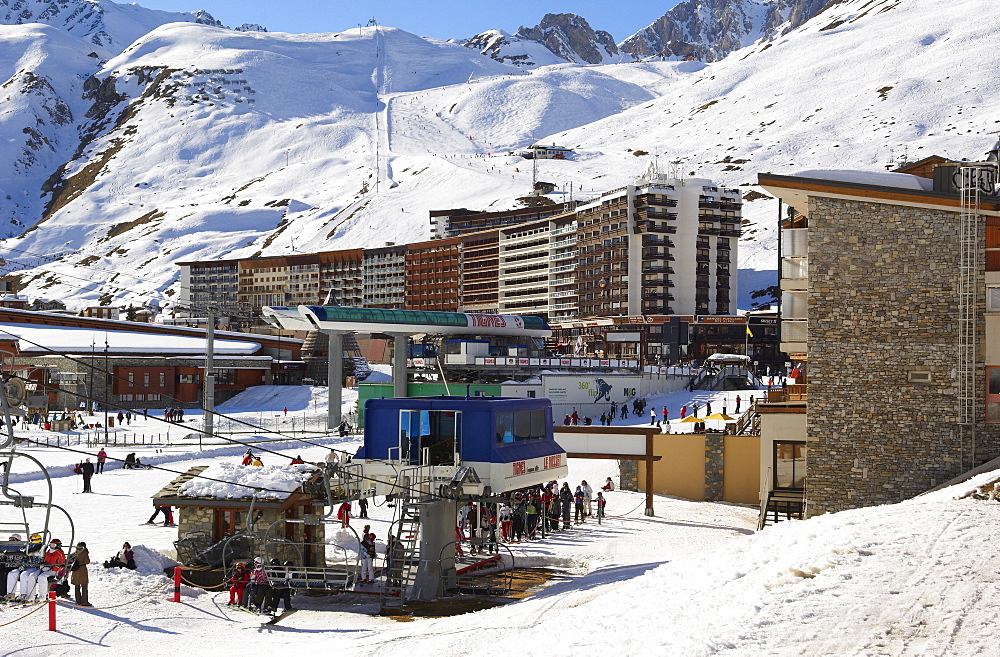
point(519, 426)
point(993, 298)
point(431, 436)
point(789, 464)
point(189, 378)
point(163, 379)
point(993, 394)
point(131, 379)
point(145, 379)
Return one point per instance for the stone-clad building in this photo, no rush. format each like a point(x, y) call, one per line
point(881, 274)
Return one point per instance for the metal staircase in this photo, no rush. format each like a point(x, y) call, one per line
point(788, 503)
point(402, 556)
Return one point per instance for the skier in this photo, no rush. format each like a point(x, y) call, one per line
point(238, 584)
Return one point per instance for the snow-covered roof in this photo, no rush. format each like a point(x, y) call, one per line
point(37, 338)
point(228, 480)
point(879, 178)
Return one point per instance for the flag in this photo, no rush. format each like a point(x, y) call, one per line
point(749, 333)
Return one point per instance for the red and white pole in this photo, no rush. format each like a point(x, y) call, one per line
point(52, 611)
point(177, 584)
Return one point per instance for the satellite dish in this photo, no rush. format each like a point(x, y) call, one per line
point(15, 392)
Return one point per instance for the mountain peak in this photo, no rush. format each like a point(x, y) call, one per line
point(708, 30)
point(106, 24)
point(570, 37)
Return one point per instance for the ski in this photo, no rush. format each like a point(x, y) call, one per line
point(282, 615)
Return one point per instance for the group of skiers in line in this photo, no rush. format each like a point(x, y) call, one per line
point(253, 590)
point(524, 513)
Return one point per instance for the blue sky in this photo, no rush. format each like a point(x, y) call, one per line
point(442, 19)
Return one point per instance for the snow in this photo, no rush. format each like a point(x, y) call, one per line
point(880, 178)
point(233, 481)
point(60, 339)
point(693, 580)
point(400, 125)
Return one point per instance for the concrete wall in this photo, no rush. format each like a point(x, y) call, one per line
point(882, 287)
point(741, 456)
point(778, 427)
point(700, 467)
point(681, 471)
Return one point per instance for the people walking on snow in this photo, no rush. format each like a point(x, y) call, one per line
point(363, 507)
point(666, 414)
point(601, 503)
point(708, 408)
point(738, 400)
point(684, 411)
point(652, 417)
point(87, 470)
point(79, 577)
point(102, 456)
point(168, 516)
point(248, 457)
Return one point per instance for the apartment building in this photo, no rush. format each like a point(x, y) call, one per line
point(210, 281)
point(383, 272)
point(433, 275)
point(459, 221)
point(479, 272)
point(659, 247)
point(891, 293)
point(537, 268)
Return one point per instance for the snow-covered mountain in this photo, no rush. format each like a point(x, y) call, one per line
point(508, 49)
point(198, 142)
point(109, 25)
point(708, 30)
point(571, 38)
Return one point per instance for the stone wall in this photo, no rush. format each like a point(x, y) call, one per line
point(628, 472)
point(715, 444)
point(882, 286)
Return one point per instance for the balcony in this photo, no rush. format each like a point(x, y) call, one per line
point(709, 204)
point(723, 257)
point(721, 271)
point(653, 240)
point(699, 257)
point(657, 296)
point(656, 269)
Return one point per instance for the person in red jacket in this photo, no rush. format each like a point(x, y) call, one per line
point(297, 461)
point(248, 457)
point(52, 566)
point(344, 514)
point(238, 584)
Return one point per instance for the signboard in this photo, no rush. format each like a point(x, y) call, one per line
point(716, 319)
point(590, 389)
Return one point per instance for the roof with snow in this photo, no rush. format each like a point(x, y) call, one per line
point(229, 484)
point(37, 338)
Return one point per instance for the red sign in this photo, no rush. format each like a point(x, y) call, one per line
point(519, 467)
point(552, 462)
